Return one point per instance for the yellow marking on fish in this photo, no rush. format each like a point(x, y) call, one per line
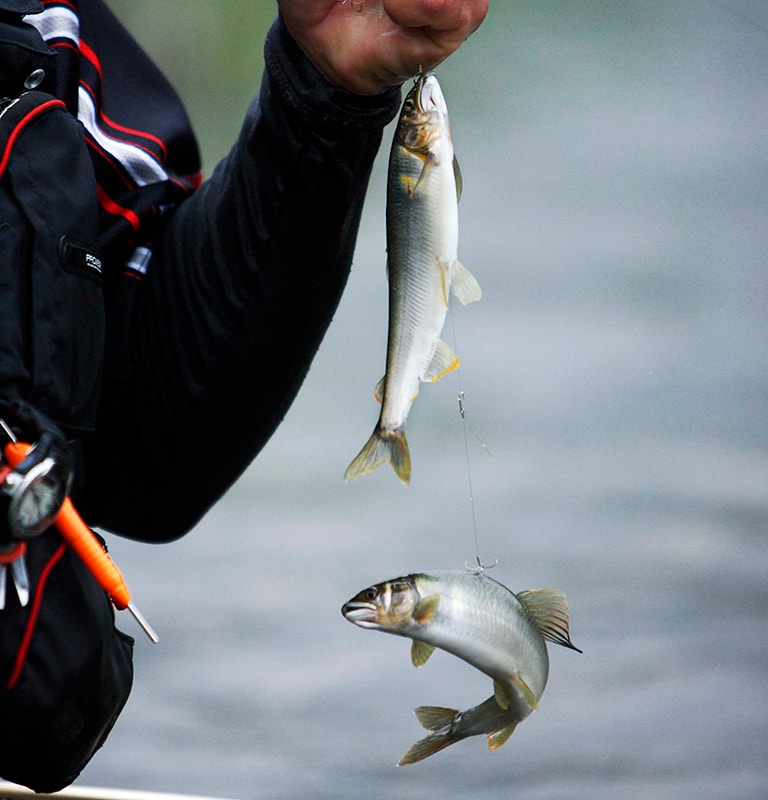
point(410, 183)
point(444, 282)
point(448, 369)
point(498, 738)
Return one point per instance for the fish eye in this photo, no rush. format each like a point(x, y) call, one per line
point(371, 594)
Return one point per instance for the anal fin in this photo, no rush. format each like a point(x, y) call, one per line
point(444, 360)
point(499, 738)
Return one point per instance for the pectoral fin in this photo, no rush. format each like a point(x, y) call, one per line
point(548, 608)
point(412, 183)
point(444, 360)
point(426, 609)
point(420, 653)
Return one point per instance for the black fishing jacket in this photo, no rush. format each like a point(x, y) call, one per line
point(217, 293)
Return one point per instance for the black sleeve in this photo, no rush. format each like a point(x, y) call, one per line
point(240, 291)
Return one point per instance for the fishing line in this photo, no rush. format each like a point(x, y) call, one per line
point(465, 426)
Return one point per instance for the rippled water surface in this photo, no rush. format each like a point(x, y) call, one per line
point(615, 212)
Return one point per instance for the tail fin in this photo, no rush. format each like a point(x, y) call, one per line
point(427, 746)
point(391, 446)
point(436, 719)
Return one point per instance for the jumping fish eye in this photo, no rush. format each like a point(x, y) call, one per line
point(372, 593)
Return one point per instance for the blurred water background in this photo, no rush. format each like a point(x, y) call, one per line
point(615, 211)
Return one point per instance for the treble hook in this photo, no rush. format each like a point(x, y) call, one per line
point(480, 568)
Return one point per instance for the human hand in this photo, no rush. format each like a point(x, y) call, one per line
point(366, 46)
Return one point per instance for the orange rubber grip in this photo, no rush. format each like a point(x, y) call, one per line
point(81, 539)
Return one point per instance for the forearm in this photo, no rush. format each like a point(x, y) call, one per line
point(241, 290)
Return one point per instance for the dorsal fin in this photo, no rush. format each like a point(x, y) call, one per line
point(548, 608)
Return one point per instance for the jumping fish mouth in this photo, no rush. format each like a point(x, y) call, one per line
point(363, 614)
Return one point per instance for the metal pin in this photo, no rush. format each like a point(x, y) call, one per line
point(141, 619)
point(12, 558)
point(21, 579)
point(6, 429)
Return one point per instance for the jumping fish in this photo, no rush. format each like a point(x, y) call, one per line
point(482, 622)
point(423, 188)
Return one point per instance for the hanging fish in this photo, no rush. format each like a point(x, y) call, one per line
point(423, 187)
point(482, 622)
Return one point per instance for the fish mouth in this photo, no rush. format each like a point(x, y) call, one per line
point(429, 96)
point(363, 614)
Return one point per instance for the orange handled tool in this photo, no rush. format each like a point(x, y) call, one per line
point(81, 539)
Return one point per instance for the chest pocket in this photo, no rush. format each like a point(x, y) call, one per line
point(51, 301)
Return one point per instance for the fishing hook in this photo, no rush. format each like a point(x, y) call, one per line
point(480, 568)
